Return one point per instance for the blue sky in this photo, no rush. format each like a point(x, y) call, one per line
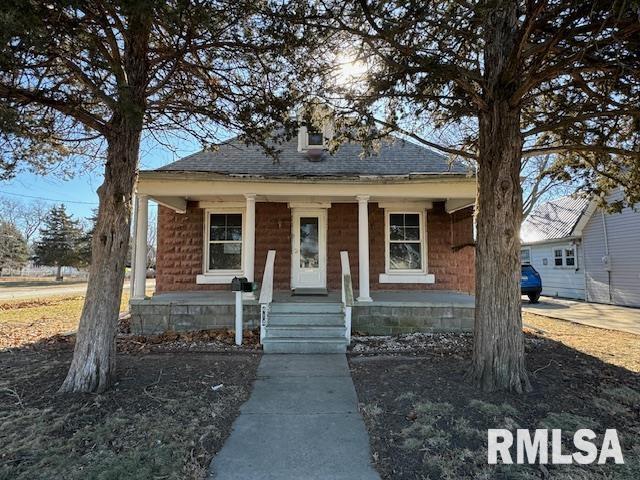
point(79, 193)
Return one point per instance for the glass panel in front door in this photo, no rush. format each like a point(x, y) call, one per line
point(309, 251)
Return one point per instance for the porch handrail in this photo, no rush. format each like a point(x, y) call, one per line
point(266, 292)
point(347, 293)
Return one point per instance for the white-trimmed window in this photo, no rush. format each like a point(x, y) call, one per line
point(315, 138)
point(525, 256)
point(570, 257)
point(564, 257)
point(224, 242)
point(557, 257)
point(405, 248)
point(405, 241)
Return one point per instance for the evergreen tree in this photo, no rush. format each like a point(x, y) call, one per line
point(493, 82)
point(84, 247)
point(60, 241)
point(13, 247)
point(87, 78)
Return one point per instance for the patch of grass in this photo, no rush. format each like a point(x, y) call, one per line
point(611, 407)
point(492, 410)
point(372, 410)
point(452, 443)
point(412, 443)
point(406, 396)
point(568, 422)
point(623, 394)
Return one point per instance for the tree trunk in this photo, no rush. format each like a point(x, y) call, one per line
point(93, 366)
point(498, 351)
point(58, 273)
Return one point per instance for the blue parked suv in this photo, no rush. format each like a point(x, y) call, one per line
point(531, 284)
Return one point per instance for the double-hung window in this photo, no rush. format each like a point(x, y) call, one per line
point(224, 242)
point(569, 257)
point(557, 257)
point(405, 242)
point(564, 257)
point(525, 256)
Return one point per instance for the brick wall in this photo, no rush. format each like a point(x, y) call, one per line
point(342, 234)
point(180, 243)
point(273, 232)
point(462, 228)
point(452, 267)
point(180, 239)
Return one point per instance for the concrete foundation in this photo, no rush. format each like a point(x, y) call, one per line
point(389, 313)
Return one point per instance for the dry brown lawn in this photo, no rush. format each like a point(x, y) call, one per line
point(617, 348)
point(24, 322)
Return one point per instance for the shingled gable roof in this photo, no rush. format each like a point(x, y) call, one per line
point(396, 157)
point(554, 220)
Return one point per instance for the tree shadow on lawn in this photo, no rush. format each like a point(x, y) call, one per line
point(161, 419)
point(426, 422)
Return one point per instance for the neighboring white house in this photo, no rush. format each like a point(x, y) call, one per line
point(582, 252)
point(611, 245)
point(551, 242)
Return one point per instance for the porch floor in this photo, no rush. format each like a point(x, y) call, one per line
point(409, 298)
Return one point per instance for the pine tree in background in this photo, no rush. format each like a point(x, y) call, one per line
point(13, 247)
point(60, 241)
point(84, 247)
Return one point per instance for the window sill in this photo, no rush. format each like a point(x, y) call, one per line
point(407, 278)
point(216, 278)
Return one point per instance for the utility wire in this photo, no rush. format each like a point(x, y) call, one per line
point(54, 199)
point(47, 199)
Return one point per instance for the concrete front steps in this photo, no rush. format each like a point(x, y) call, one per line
point(305, 328)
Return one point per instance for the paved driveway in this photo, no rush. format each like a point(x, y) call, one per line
point(611, 317)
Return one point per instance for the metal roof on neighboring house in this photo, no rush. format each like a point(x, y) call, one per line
point(394, 157)
point(554, 220)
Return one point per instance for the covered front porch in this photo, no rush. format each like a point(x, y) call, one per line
point(399, 234)
point(372, 255)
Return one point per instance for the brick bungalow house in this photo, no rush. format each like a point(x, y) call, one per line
point(395, 226)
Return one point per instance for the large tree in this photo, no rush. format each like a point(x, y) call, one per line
point(493, 82)
point(90, 77)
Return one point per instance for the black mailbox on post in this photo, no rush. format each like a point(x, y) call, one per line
point(240, 284)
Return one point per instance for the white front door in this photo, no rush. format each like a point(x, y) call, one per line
point(309, 248)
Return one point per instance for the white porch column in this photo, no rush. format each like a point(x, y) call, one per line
point(132, 260)
point(363, 248)
point(140, 265)
point(250, 237)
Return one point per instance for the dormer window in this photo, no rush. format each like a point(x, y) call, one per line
point(315, 131)
point(315, 139)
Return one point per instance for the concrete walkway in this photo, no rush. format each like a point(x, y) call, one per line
point(301, 422)
point(611, 317)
